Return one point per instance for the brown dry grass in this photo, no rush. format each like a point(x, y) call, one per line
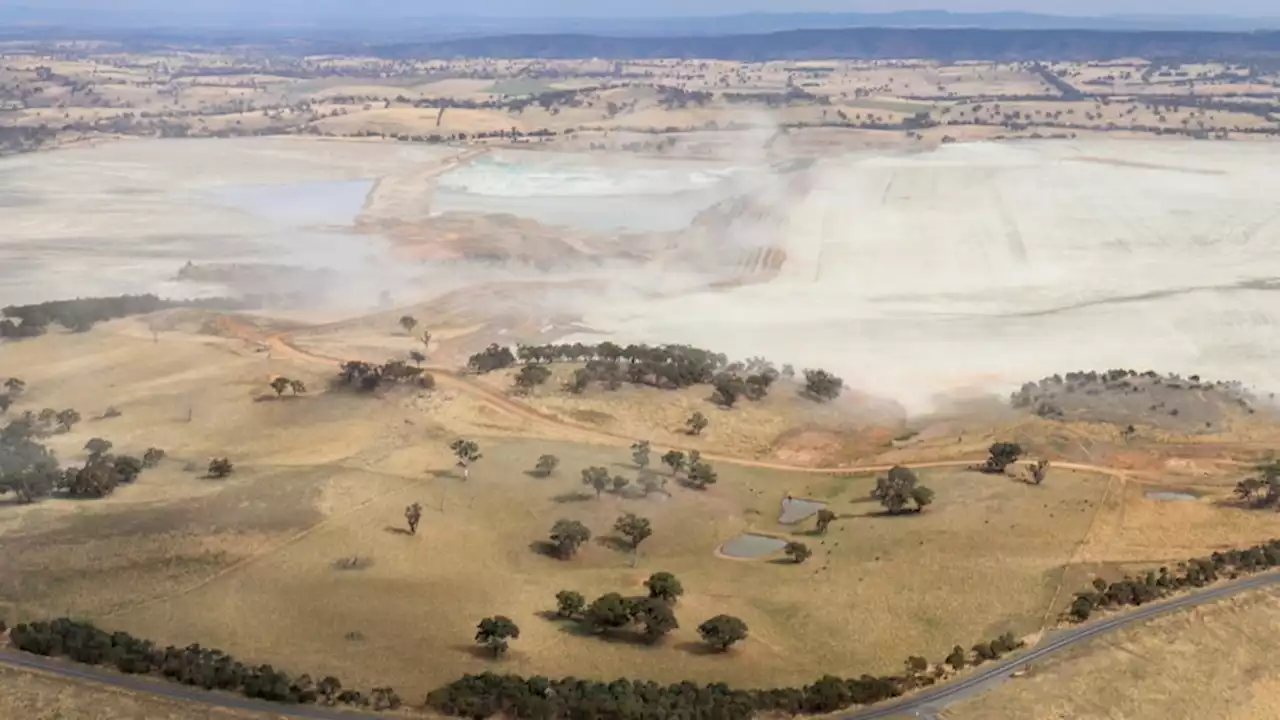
point(1214, 661)
point(37, 696)
point(246, 564)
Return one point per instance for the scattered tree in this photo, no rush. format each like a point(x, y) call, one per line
point(634, 528)
point(900, 487)
point(609, 612)
point(701, 475)
point(657, 617)
point(467, 452)
point(298, 387)
point(495, 357)
point(825, 518)
point(408, 323)
point(728, 388)
point(797, 551)
point(665, 586)
point(413, 515)
point(280, 384)
point(494, 633)
point(722, 631)
point(567, 536)
point(569, 604)
point(578, 382)
point(696, 423)
point(597, 478)
point(67, 420)
point(1038, 471)
point(531, 376)
point(640, 454)
point(1002, 455)
point(921, 496)
point(675, 460)
point(152, 457)
point(822, 385)
point(546, 465)
point(15, 386)
point(220, 468)
point(97, 447)
point(417, 358)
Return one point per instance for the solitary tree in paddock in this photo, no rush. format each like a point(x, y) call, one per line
point(467, 452)
point(722, 631)
point(567, 536)
point(408, 323)
point(825, 518)
point(413, 515)
point(696, 423)
point(797, 551)
point(494, 632)
point(220, 468)
point(546, 465)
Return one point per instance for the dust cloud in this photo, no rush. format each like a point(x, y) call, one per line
point(917, 276)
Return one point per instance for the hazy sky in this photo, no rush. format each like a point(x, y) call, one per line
point(633, 8)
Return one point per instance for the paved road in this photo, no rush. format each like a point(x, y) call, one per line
point(925, 704)
point(173, 691)
point(928, 703)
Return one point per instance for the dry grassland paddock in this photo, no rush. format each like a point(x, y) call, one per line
point(493, 102)
point(253, 563)
point(1215, 661)
point(37, 696)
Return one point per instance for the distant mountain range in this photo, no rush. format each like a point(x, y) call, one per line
point(322, 19)
point(945, 44)
point(747, 37)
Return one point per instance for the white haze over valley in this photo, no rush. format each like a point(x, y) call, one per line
point(970, 268)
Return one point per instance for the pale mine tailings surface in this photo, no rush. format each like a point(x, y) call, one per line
point(984, 265)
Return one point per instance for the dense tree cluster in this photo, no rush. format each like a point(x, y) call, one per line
point(669, 367)
point(31, 471)
point(491, 695)
point(368, 377)
point(1044, 396)
point(646, 618)
point(28, 469)
point(1157, 584)
point(49, 421)
point(192, 665)
point(22, 321)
